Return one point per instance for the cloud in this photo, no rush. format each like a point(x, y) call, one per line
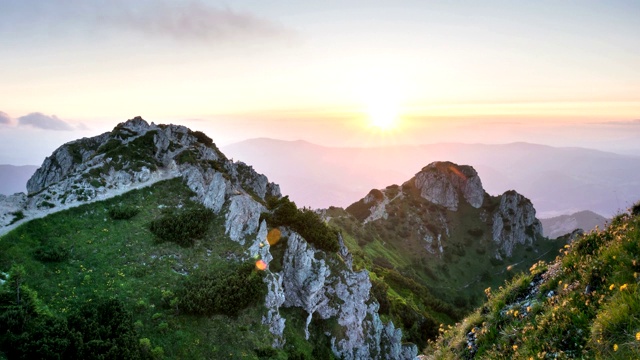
point(179, 20)
point(42, 121)
point(4, 118)
point(194, 20)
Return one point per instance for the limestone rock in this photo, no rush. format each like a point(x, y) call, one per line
point(318, 284)
point(443, 183)
point(515, 222)
point(242, 217)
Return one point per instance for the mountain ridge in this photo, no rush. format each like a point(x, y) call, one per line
point(558, 180)
point(318, 283)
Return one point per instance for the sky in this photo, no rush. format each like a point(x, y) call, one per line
point(336, 73)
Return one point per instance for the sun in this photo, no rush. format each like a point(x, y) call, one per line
point(382, 115)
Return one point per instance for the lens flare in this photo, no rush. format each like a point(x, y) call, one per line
point(261, 265)
point(273, 237)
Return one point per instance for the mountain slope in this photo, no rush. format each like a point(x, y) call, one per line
point(564, 224)
point(585, 304)
point(13, 179)
point(557, 180)
point(440, 235)
point(200, 255)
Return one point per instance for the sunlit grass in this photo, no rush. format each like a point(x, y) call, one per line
point(587, 306)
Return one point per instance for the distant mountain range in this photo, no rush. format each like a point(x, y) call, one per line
point(13, 179)
point(558, 180)
point(564, 224)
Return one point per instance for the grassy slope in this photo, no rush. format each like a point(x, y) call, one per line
point(121, 259)
point(443, 287)
point(586, 304)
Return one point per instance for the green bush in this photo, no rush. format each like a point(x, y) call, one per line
point(379, 290)
point(17, 216)
point(123, 212)
point(97, 330)
point(305, 222)
point(51, 253)
point(202, 138)
point(182, 227)
point(222, 290)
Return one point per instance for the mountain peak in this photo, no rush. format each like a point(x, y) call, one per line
point(444, 183)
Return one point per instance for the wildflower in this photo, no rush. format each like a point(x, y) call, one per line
point(515, 347)
point(623, 287)
point(612, 287)
point(615, 347)
point(638, 336)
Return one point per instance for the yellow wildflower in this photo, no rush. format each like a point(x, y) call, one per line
point(638, 336)
point(515, 347)
point(613, 286)
point(615, 347)
point(623, 287)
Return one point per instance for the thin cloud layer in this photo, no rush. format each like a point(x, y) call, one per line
point(42, 121)
point(194, 20)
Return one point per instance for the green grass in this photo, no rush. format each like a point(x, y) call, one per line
point(423, 279)
point(121, 259)
point(586, 304)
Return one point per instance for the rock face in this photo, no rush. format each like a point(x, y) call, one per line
point(321, 285)
point(514, 222)
point(137, 154)
point(445, 183)
point(424, 207)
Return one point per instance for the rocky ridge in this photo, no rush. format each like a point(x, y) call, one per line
point(137, 154)
point(446, 186)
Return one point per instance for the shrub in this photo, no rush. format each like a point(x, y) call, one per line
point(379, 290)
point(17, 216)
point(305, 222)
point(182, 226)
point(51, 253)
point(123, 212)
point(222, 290)
point(202, 138)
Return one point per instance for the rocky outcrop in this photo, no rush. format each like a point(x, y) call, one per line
point(514, 222)
point(64, 161)
point(445, 183)
point(324, 286)
point(9, 207)
point(137, 154)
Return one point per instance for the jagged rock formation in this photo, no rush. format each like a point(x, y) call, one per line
point(310, 281)
point(443, 183)
point(510, 218)
point(137, 154)
point(514, 222)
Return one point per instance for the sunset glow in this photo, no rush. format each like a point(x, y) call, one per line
point(341, 74)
